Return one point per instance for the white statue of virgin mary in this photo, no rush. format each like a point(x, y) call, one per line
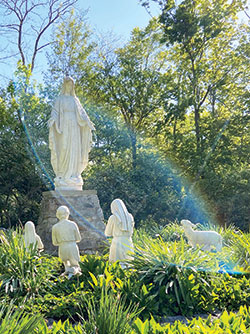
point(70, 138)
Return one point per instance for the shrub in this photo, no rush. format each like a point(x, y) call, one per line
point(22, 271)
point(164, 278)
point(240, 250)
point(169, 232)
point(228, 292)
point(94, 264)
point(228, 323)
point(109, 315)
point(59, 308)
point(18, 322)
point(177, 273)
point(63, 300)
point(63, 328)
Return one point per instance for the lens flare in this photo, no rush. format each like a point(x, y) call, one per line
point(191, 202)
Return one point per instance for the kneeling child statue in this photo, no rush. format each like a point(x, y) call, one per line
point(65, 234)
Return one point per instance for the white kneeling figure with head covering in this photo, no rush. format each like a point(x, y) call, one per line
point(31, 238)
point(65, 234)
point(120, 226)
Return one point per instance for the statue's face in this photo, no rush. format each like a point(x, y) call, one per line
point(68, 86)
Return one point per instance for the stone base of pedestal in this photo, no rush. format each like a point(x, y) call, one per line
point(84, 209)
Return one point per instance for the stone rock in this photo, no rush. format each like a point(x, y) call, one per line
point(84, 209)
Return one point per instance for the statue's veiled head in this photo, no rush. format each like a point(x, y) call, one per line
point(68, 87)
point(118, 208)
point(29, 228)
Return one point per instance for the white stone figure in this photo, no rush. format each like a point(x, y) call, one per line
point(65, 234)
point(120, 226)
point(70, 138)
point(207, 239)
point(30, 236)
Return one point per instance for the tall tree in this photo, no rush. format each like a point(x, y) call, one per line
point(192, 28)
point(25, 23)
point(131, 81)
point(22, 180)
point(209, 54)
point(72, 48)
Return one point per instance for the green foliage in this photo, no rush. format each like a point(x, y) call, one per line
point(110, 315)
point(60, 307)
point(187, 281)
point(206, 123)
point(63, 299)
point(228, 292)
point(117, 320)
point(169, 232)
point(150, 189)
point(16, 321)
point(20, 185)
point(240, 250)
point(22, 148)
point(72, 48)
point(174, 270)
point(228, 323)
point(94, 264)
point(164, 278)
point(130, 82)
point(22, 271)
point(63, 328)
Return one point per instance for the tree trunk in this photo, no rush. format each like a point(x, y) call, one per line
point(134, 148)
point(174, 134)
point(197, 128)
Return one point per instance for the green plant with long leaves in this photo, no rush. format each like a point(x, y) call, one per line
point(22, 271)
point(61, 327)
point(95, 264)
point(178, 273)
point(177, 253)
point(169, 232)
point(240, 250)
point(238, 323)
point(108, 315)
point(17, 321)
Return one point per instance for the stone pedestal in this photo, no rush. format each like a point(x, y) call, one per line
point(84, 209)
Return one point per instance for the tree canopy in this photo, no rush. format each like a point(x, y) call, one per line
point(170, 107)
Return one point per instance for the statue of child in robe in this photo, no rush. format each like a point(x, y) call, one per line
point(70, 138)
point(31, 237)
point(120, 226)
point(65, 234)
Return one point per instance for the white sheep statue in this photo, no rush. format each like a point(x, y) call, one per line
point(206, 239)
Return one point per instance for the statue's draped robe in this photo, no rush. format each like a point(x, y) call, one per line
point(35, 240)
point(65, 234)
point(70, 138)
point(120, 226)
